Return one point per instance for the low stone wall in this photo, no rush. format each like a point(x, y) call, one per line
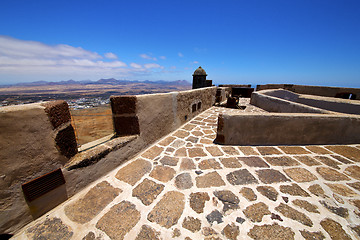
point(287, 129)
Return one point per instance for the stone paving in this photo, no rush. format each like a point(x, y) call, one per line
point(187, 187)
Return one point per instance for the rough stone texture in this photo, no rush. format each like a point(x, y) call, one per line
point(248, 151)
point(228, 198)
point(214, 216)
point(318, 150)
point(176, 233)
point(197, 201)
point(183, 181)
point(289, 212)
point(165, 142)
point(134, 171)
point(209, 232)
point(328, 161)
point(257, 211)
point(294, 190)
point(254, 162)
point(212, 179)
point(181, 134)
point(163, 173)
point(268, 176)
point(353, 171)
point(306, 205)
point(331, 174)
point(356, 229)
point(347, 151)
point(196, 152)
point(147, 233)
point(181, 152)
point(192, 139)
point(66, 141)
point(248, 193)
point(126, 125)
point(191, 224)
point(187, 164)
point(178, 143)
point(231, 162)
point(123, 104)
point(52, 228)
point(334, 229)
point(230, 150)
point(341, 189)
point(119, 220)
point(214, 151)
point(268, 150)
point(355, 185)
point(152, 152)
point(294, 150)
point(312, 235)
point(271, 232)
point(281, 161)
point(209, 164)
point(268, 192)
point(147, 191)
point(307, 160)
point(231, 231)
point(338, 199)
point(58, 112)
point(240, 220)
point(241, 177)
point(317, 190)
point(87, 207)
point(168, 210)
point(341, 159)
point(170, 161)
point(300, 174)
point(332, 207)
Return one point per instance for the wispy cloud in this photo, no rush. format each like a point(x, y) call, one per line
point(152, 65)
point(180, 54)
point(135, 65)
point(162, 57)
point(110, 55)
point(146, 56)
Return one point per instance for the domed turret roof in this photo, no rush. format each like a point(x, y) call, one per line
point(200, 71)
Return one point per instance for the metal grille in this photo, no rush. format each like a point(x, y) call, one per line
point(44, 184)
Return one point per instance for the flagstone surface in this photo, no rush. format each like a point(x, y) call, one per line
point(186, 187)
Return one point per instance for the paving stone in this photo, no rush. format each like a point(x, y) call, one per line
point(51, 228)
point(134, 171)
point(170, 161)
point(87, 207)
point(248, 193)
point(181, 134)
point(183, 181)
point(176, 233)
point(248, 151)
point(254, 162)
point(317, 190)
point(307, 160)
point(147, 191)
point(291, 213)
point(268, 150)
point(230, 150)
point(341, 189)
point(306, 205)
point(240, 220)
point(241, 177)
point(197, 133)
point(212, 179)
point(294, 190)
point(355, 185)
point(162, 173)
point(257, 211)
point(231, 231)
point(356, 229)
point(148, 233)
point(197, 201)
point(318, 150)
point(187, 164)
point(214, 216)
point(119, 220)
point(268, 192)
point(312, 235)
point(300, 174)
point(356, 203)
point(152, 152)
point(231, 162)
point(208, 232)
point(192, 224)
point(332, 207)
point(208, 131)
point(273, 232)
point(228, 198)
point(196, 152)
point(168, 210)
point(286, 199)
point(192, 139)
point(165, 142)
point(198, 172)
point(214, 151)
point(328, 161)
point(276, 217)
point(206, 141)
point(281, 161)
point(189, 127)
point(294, 150)
point(342, 159)
point(334, 229)
point(89, 236)
point(268, 176)
point(181, 152)
point(331, 174)
point(353, 171)
point(338, 199)
point(209, 164)
point(178, 143)
point(169, 149)
point(350, 152)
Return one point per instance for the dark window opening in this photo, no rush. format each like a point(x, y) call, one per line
point(199, 106)
point(193, 107)
point(185, 117)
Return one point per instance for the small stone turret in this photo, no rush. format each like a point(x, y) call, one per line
point(199, 79)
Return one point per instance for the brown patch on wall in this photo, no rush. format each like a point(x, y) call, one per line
point(66, 141)
point(126, 125)
point(58, 112)
point(123, 104)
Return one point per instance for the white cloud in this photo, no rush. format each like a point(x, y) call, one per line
point(146, 56)
point(195, 62)
point(110, 55)
point(135, 65)
point(152, 65)
point(180, 54)
point(162, 57)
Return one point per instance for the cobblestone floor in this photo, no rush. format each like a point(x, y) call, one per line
point(186, 187)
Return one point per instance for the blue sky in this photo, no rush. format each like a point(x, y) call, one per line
point(259, 41)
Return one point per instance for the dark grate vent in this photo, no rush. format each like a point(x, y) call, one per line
point(44, 184)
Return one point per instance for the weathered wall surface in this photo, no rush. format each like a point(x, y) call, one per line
point(288, 129)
